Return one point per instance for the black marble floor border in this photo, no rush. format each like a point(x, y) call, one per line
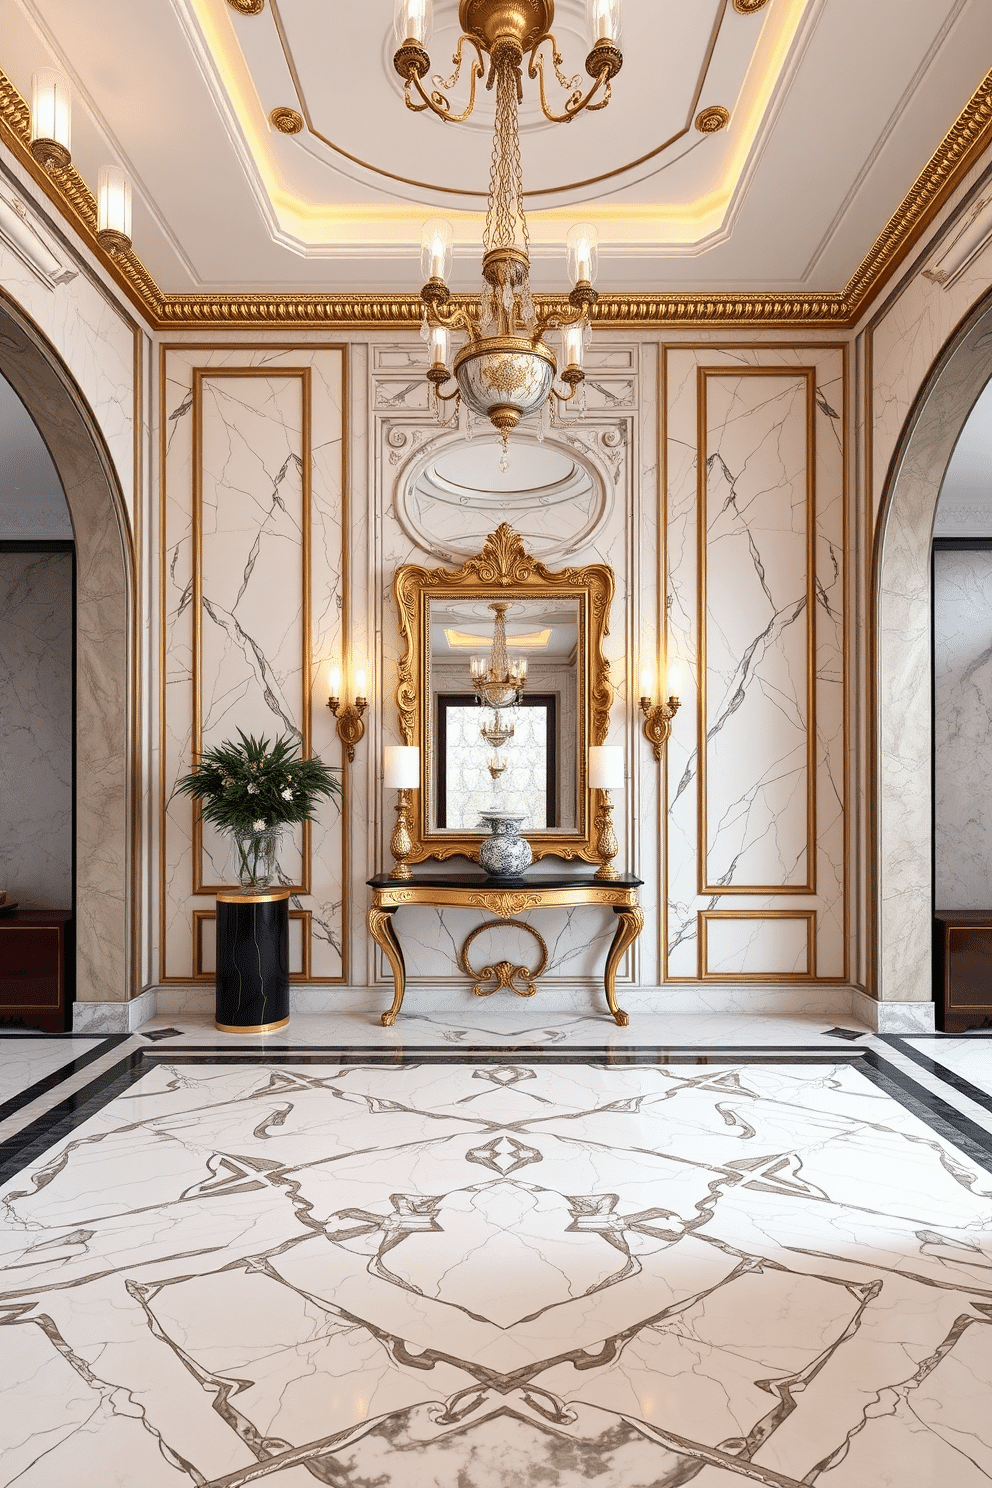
point(64, 1072)
point(948, 1124)
point(939, 1071)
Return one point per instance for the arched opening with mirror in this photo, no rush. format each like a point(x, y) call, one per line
point(104, 812)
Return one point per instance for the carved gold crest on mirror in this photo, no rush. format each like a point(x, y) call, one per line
point(503, 686)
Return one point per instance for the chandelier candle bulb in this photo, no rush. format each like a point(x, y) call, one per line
point(51, 118)
point(435, 248)
point(583, 253)
point(440, 346)
point(604, 20)
point(114, 208)
point(413, 21)
point(572, 346)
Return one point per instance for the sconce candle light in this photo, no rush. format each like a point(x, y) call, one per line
point(401, 772)
point(51, 119)
point(114, 210)
point(606, 774)
point(350, 728)
point(658, 716)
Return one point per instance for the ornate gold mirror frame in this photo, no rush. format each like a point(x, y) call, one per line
point(503, 570)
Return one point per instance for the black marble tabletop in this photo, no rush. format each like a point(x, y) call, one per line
point(445, 876)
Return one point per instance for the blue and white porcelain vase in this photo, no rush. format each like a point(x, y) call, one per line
point(504, 853)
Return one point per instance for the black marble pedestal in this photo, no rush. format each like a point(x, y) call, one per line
point(252, 960)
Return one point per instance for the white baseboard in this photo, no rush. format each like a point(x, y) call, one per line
point(114, 1017)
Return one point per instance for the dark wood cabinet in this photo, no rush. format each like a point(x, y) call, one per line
point(962, 968)
point(33, 968)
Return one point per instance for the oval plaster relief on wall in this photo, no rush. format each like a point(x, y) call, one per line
point(450, 496)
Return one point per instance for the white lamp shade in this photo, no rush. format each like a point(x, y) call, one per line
point(606, 767)
point(114, 201)
point(51, 115)
point(401, 767)
point(440, 346)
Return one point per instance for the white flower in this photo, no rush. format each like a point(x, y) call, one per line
point(287, 795)
point(253, 790)
point(258, 826)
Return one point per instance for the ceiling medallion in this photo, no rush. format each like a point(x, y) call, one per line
point(709, 120)
point(286, 120)
point(505, 370)
point(748, 7)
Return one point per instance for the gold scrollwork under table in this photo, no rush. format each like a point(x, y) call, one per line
point(472, 889)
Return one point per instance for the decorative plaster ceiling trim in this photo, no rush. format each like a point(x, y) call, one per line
point(968, 137)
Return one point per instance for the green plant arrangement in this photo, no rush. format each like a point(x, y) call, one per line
point(252, 789)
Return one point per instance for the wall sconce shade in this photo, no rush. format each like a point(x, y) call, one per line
point(114, 209)
point(51, 118)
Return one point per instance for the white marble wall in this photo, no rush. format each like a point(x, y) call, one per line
point(757, 760)
point(36, 728)
point(270, 497)
point(962, 632)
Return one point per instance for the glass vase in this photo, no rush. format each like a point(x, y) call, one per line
point(255, 856)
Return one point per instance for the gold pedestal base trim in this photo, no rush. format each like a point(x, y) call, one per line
point(254, 1028)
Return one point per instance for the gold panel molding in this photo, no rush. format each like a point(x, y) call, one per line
point(302, 375)
point(706, 916)
point(807, 377)
point(967, 138)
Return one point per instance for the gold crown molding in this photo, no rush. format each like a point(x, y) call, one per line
point(968, 137)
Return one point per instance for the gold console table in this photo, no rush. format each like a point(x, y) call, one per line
point(472, 889)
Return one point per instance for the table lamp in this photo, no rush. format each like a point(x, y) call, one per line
point(606, 774)
point(401, 772)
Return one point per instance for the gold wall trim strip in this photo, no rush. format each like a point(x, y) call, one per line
point(271, 374)
point(807, 377)
point(706, 915)
point(964, 142)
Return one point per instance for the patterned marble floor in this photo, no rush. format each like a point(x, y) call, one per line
point(499, 1260)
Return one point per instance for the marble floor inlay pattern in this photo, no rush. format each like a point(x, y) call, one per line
point(451, 1269)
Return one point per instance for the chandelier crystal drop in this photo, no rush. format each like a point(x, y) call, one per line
point(505, 370)
point(498, 682)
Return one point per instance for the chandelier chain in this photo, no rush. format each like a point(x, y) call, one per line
point(506, 187)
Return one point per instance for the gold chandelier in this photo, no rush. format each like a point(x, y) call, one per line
point(506, 370)
point(498, 683)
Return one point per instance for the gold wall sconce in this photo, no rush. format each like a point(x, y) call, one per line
point(351, 729)
point(658, 716)
point(401, 773)
point(606, 774)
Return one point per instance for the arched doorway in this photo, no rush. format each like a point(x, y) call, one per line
point(106, 848)
point(901, 693)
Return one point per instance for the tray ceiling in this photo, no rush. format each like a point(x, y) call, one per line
point(835, 107)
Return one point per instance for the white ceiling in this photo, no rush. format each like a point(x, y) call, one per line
point(836, 106)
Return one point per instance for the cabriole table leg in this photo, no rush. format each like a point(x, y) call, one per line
point(630, 922)
point(382, 932)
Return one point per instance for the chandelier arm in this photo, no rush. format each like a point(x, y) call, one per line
point(564, 397)
point(455, 317)
point(435, 100)
point(556, 320)
point(575, 104)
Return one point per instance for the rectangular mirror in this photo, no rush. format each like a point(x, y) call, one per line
point(503, 687)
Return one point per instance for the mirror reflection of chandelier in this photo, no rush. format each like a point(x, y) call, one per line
point(496, 766)
point(497, 732)
point(499, 682)
point(506, 370)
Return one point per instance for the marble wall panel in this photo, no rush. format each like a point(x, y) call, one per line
point(962, 638)
point(36, 728)
point(271, 481)
point(761, 558)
